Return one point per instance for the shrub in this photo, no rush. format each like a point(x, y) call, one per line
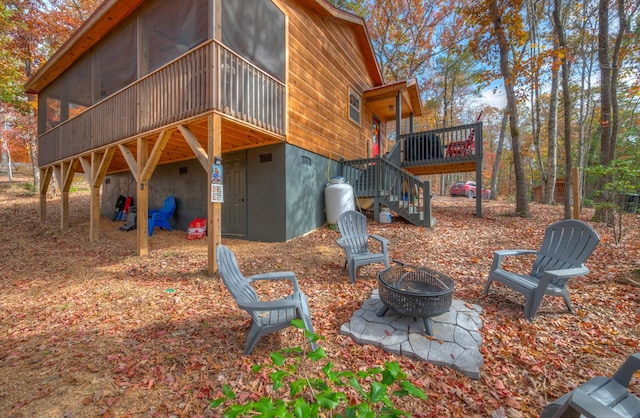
point(30, 187)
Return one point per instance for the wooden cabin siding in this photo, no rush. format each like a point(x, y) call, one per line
point(327, 57)
point(324, 64)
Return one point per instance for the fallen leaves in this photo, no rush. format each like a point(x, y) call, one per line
point(90, 329)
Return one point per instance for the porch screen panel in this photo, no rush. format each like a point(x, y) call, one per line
point(255, 29)
point(115, 61)
point(78, 82)
point(50, 106)
point(170, 28)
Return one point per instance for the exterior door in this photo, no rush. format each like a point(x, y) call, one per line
point(234, 208)
point(375, 137)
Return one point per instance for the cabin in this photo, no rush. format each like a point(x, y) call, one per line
point(150, 98)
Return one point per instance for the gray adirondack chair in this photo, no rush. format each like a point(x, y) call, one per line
point(565, 247)
point(354, 240)
point(601, 396)
point(266, 316)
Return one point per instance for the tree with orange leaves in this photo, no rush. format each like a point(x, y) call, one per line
point(499, 36)
point(30, 30)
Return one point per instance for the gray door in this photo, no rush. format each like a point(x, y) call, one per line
point(234, 208)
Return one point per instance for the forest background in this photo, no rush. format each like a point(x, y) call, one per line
point(567, 73)
point(556, 82)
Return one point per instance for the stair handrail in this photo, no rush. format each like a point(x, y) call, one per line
point(391, 186)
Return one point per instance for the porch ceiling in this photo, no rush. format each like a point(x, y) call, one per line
point(235, 136)
point(382, 100)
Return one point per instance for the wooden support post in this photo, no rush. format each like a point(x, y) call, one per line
point(214, 210)
point(429, 220)
point(59, 173)
point(99, 165)
point(142, 197)
point(67, 172)
point(478, 158)
point(94, 203)
point(575, 183)
point(45, 179)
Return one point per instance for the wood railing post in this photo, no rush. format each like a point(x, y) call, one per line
point(377, 184)
point(426, 200)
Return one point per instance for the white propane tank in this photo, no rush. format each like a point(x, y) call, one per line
point(385, 216)
point(338, 198)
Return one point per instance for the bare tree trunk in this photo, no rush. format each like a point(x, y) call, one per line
point(609, 65)
point(615, 73)
point(522, 203)
point(558, 23)
point(585, 112)
point(549, 191)
point(6, 158)
point(445, 97)
point(496, 163)
point(33, 155)
point(5, 153)
point(532, 17)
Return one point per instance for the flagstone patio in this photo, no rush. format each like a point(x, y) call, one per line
point(455, 342)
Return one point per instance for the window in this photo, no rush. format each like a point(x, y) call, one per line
point(354, 107)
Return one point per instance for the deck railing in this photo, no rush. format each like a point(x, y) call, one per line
point(390, 186)
point(447, 145)
point(209, 77)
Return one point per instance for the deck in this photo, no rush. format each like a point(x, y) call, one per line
point(394, 182)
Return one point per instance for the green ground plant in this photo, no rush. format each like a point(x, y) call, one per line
point(623, 185)
point(367, 393)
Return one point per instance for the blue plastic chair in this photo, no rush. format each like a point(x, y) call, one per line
point(160, 217)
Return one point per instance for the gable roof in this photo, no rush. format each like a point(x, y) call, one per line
point(382, 99)
point(112, 12)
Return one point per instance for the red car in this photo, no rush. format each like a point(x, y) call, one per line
point(468, 188)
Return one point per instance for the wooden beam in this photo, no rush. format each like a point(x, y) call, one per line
point(86, 167)
point(67, 171)
point(104, 166)
point(197, 149)
point(214, 210)
point(130, 159)
point(45, 180)
point(154, 156)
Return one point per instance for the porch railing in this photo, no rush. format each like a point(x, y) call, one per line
point(447, 145)
point(209, 77)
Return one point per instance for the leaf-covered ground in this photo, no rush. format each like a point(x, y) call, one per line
point(90, 329)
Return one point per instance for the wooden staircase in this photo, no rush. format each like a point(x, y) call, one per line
point(392, 187)
point(392, 181)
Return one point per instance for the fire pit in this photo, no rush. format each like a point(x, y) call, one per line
point(415, 291)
